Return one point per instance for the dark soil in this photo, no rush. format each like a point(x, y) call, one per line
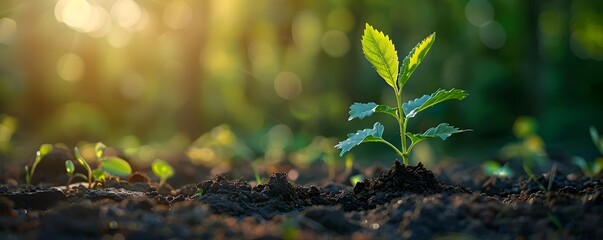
point(399, 203)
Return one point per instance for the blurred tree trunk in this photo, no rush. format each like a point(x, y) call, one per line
point(190, 116)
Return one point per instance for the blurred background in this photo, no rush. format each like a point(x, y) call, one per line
point(273, 79)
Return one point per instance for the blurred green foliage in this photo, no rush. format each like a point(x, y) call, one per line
point(148, 73)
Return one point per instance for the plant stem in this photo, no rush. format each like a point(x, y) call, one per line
point(402, 125)
point(387, 143)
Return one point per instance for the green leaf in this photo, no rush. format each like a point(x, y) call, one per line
point(362, 110)
point(99, 149)
point(81, 160)
point(162, 169)
point(442, 131)
point(69, 167)
point(581, 163)
point(80, 176)
point(411, 108)
point(414, 58)
point(116, 166)
point(594, 135)
point(45, 149)
point(381, 53)
point(355, 139)
point(98, 174)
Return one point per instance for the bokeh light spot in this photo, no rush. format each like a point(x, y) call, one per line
point(8, 28)
point(71, 67)
point(126, 13)
point(177, 14)
point(306, 31)
point(287, 85)
point(493, 35)
point(77, 14)
point(335, 43)
point(341, 19)
point(132, 86)
point(479, 12)
point(119, 37)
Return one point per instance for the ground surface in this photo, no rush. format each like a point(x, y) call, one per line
point(399, 202)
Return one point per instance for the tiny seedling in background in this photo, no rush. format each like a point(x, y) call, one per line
point(112, 165)
point(381, 53)
point(594, 168)
point(70, 169)
point(43, 151)
point(493, 168)
point(162, 170)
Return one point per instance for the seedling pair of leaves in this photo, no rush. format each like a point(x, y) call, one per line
point(44, 150)
point(381, 53)
point(596, 167)
point(111, 165)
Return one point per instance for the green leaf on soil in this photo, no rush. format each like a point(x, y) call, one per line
point(411, 108)
point(360, 136)
point(45, 149)
point(414, 58)
point(381, 53)
point(442, 131)
point(362, 110)
point(69, 167)
point(116, 166)
point(162, 169)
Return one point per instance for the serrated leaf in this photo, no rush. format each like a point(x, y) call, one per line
point(362, 110)
point(80, 159)
point(442, 131)
point(411, 108)
point(69, 167)
point(355, 139)
point(99, 148)
point(414, 58)
point(162, 169)
point(381, 53)
point(116, 166)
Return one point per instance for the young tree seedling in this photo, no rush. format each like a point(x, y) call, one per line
point(162, 170)
point(381, 53)
point(112, 165)
point(43, 151)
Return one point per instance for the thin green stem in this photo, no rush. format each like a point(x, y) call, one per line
point(402, 125)
point(387, 143)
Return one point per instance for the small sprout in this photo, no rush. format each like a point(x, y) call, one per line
point(162, 170)
point(43, 151)
point(198, 193)
point(493, 168)
point(84, 164)
point(596, 167)
point(356, 178)
point(99, 149)
point(70, 169)
point(381, 53)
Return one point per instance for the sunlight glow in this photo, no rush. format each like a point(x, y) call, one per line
point(126, 13)
point(71, 67)
point(8, 28)
point(177, 14)
point(287, 85)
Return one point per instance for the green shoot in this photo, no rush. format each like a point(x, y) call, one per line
point(356, 178)
point(84, 164)
point(493, 168)
point(162, 170)
point(381, 53)
point(70, 169)
point(43, 151)
point(596, 167)
point(112, 165)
